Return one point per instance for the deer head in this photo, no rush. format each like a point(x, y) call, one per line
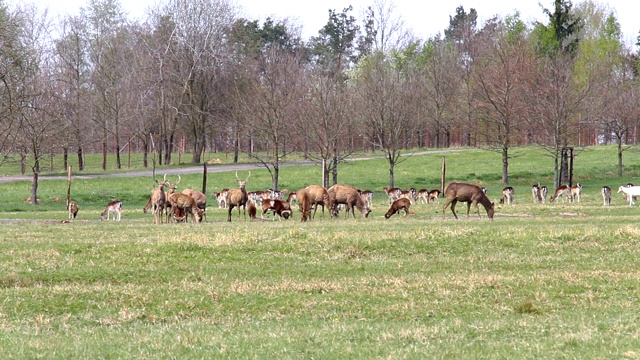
point(242, 183)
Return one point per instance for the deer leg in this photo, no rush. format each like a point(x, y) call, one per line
point(453, 208)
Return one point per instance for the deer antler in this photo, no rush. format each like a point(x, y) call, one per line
point(179, 178)
point(248, 176)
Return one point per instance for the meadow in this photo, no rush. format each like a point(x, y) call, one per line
point(553, 280)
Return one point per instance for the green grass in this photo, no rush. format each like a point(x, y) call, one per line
point(540, 281)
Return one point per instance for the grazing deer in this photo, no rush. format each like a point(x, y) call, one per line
point(304, 203)
point(73, 208)
point(606, 195)
point(434, 195)
point(576, 191)
point(348, 195)
point(539, 193)
point(238, 197)
point(293, 197)
point(317, 195)
point(188, 205)
point(400, 204)
point(115, 207)
point(469, 193)
point(630, 192)
point(544, 192)
point(507, 195)
point(367, 196)
point(200, 199)
point(158, 200)
point(422, 196)
point(279, 207)
point(563, 191)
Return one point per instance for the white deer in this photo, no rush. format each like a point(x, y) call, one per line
point(115, 207)
point(630, 192)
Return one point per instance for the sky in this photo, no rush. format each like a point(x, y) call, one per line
point(424, 18)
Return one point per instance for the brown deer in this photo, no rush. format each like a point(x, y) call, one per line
point(318, 195)
point(347, 195)
point(114, 206)
point(158, 200)
point(400, 204)
point(73, 208)
point(200, 198)
point(422, 196)
point(238, 197)
point(606, 195)
point(435, 196)
point(304, 203)
point(469, 193)
point(279, 207)
point(293, 197)
point(188, 205)
point(367, 196)
point(563, 191)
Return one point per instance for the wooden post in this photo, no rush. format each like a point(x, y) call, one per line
point(443, 174)
point(204, 178)
point(68, 186)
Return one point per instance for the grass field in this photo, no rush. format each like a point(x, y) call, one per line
point(540, 281)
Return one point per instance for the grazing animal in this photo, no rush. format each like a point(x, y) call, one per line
point(469, 193)
point(563, 191)
point(508, 195)
point(544, 192)
point(252, 210)
point(188, 204)
point(318, 195)
point(576, 191)
point(408, 194)
point(73, 208)
point(348, 195)
point(367, 196)
point(304, 203)
point(606, 195)
point(115, 207)
point(238, 197)
point(539, 193)
point(422, 196)
point(400, 204)
point(434, 195)
point(279, 207)
point(200, 199)
point(630, 192)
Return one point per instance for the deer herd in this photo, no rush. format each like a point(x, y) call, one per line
point(167, 205)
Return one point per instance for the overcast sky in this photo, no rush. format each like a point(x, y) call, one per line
point(424, 18)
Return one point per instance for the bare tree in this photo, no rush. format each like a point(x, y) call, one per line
point(275, 104)
point(11, 53)
point(501, 74)
point(386, 102)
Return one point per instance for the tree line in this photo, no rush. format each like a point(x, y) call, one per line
point(194, 74)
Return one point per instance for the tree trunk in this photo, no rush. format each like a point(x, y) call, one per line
point(104, 156)
point(619, 157)
point(505, 165)
point(80, 153)
point(34, 186)
point(392, 177)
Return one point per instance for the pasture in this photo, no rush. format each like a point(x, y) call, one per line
point(539, 281)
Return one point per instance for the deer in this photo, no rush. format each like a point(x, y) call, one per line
point(73, 208)
point(408, 194)
point(576, 191)
point(187, 204)
point(158, 200)
point(606, 195)
point(367, 196)
point(469, 193)
point(348, 195)
point(630, 192)
point(200, 199)
point(626, 197)
point(279, 207)
point(169, 192)
point(434, 195)
point(304, 203)
point(539, 193)
point(422, 196)
point(400, 204)
point(238, 197)
point(114, 206)
point(392, 193)
point(318, 195)
point(222, 197)
point(293, 196)
point(562, 191)
point(507, 195)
